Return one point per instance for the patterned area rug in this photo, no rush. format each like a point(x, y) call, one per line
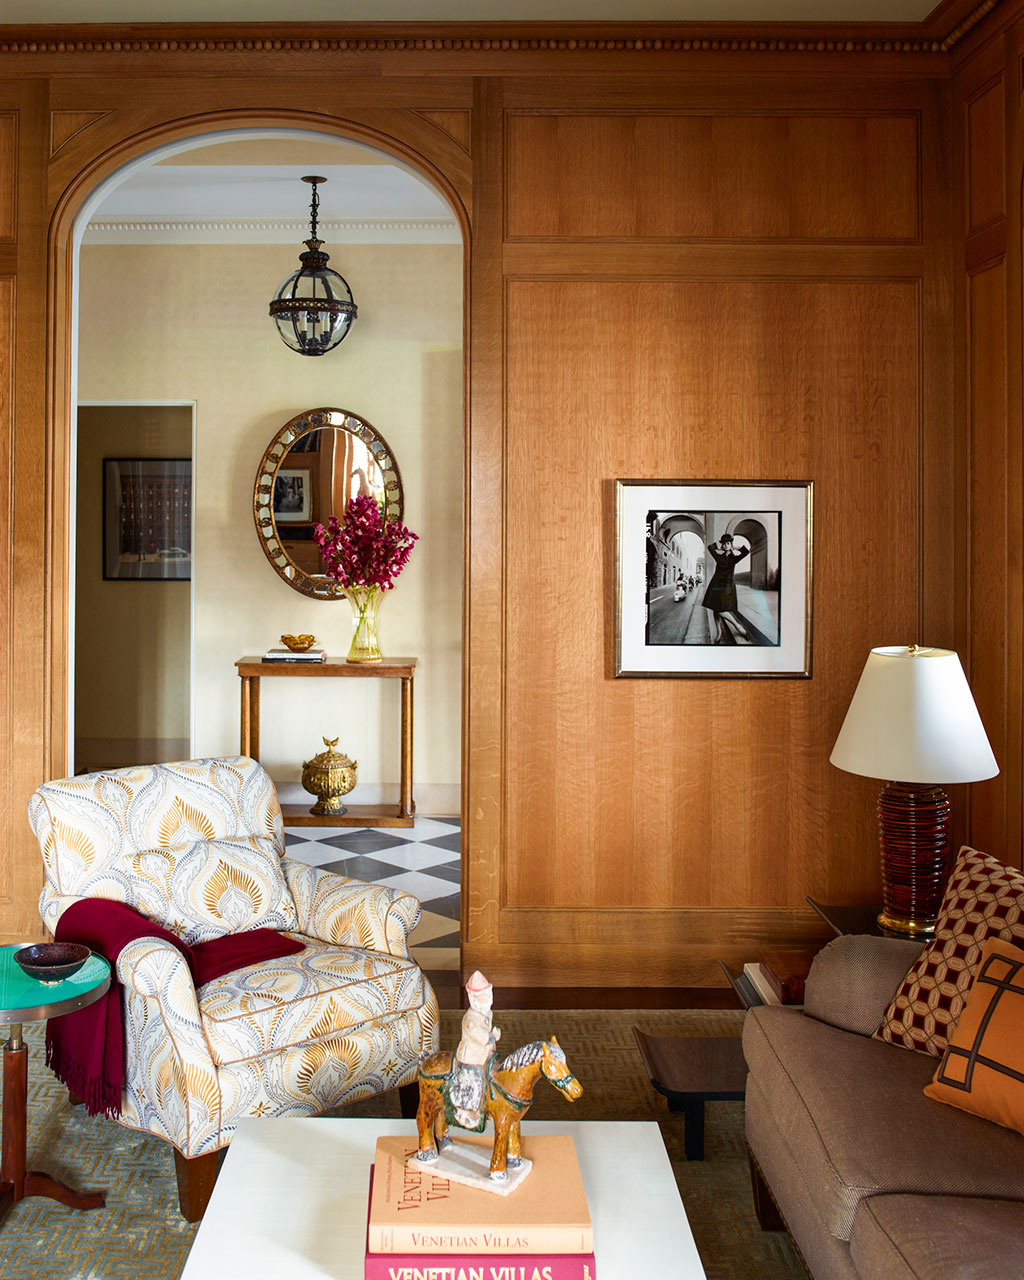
point(141, 1236)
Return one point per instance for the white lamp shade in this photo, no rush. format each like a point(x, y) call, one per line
point(913, 719)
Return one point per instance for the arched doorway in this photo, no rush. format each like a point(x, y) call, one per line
point(239, 464)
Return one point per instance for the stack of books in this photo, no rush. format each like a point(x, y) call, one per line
point(778, 977)
point(279, 653)
point(421, 1224)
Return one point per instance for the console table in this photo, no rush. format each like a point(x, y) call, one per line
point(253, 669)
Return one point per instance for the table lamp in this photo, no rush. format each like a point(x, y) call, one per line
point(913, 722)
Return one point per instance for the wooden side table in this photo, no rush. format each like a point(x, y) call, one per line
point(253, 669)
point(843, 919)
point(24, 999)
point(692, 1070)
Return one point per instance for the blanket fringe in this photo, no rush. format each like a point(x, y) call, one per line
point(97, 1095)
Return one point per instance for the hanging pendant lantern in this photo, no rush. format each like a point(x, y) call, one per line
point(313, 309)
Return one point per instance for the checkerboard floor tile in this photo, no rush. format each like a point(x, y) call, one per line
point(423, 860)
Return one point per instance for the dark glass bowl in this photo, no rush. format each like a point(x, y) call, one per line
point(52, 961)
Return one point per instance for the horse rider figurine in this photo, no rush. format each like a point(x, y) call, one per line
point(476, 1048)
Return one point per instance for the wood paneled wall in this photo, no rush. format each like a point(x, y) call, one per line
point(683, 263)
point(989, 132)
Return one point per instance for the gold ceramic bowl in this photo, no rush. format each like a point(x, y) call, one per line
point(299, 644)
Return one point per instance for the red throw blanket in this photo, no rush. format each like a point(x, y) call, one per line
point(85, 1049)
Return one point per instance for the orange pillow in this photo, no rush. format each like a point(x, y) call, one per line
point(982, 1070)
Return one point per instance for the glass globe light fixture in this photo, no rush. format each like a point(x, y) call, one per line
point(313, 309)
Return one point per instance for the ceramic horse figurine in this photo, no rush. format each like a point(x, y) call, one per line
point(507, 1097)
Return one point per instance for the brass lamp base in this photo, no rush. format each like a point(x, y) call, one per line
point(910, 928)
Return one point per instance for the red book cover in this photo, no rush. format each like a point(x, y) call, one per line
point(476, 1266)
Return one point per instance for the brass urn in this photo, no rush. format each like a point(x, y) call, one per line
point(330, 775)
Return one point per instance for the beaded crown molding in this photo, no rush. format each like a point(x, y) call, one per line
point(611, 37)
point(178, 230)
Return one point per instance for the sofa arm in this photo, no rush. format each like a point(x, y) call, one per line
point(350, 913)
point(853, 979)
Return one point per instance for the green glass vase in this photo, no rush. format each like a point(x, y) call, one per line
point(365, 602)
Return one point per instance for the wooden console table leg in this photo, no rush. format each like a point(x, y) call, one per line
point(250, 735)
point(406, 808)
point(15, 1182)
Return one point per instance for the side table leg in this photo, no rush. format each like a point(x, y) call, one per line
point(15, 1182)
point(250, 726)
point(12, 1160)
point(693, 1119)
point(406, 808)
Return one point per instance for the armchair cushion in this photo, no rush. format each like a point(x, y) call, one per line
point(203, 889)
point(99, 821)
point(323, 991)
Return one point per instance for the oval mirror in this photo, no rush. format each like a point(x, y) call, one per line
point(313, 466)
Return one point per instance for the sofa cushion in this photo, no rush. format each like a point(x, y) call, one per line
point(983, 897)
point(853, 1112)
point(203, 889)
point(938, 1238)
point(982, 1070)
point(320, 992)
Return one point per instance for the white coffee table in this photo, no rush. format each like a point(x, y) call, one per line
point(290, 1201)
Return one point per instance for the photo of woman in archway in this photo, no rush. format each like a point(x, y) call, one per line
point(720, 597)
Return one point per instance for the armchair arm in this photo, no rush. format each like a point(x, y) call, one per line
point(172, 1086)
point(350, 913)
point(853, 979)
point(153, 968)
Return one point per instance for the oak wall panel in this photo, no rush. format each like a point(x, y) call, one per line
point(9, 169)
point(680, 265)
point(986, 159)
point(8, 888)
point(989, 531)
point(760, 177)
point(638, 794)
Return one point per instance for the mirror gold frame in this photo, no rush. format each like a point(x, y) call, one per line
point(281, 551)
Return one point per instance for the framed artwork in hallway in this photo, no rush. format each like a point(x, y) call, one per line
point(713, 578)
point(147, 518)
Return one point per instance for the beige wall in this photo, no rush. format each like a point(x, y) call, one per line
point(130, 636)
point(190, 323)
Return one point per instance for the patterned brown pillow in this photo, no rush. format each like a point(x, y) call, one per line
point(983, 898)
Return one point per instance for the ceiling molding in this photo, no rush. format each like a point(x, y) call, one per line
point(615, 37)
point(235, 231)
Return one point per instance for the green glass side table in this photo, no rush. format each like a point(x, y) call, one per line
point(24, 999)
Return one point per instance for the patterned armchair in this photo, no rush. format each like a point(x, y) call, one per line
point(198, 847)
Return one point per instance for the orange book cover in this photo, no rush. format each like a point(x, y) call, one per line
point(412, 1210)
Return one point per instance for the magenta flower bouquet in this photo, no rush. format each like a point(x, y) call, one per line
point(364, 555)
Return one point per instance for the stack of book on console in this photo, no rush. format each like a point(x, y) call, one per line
point(280, 654)
point(778, 978)
point(424, 1227)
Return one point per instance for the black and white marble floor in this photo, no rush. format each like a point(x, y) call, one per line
point(423, 860)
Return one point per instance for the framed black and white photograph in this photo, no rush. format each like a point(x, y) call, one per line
point(147, 518)
point(293, 495)
point(713, 578)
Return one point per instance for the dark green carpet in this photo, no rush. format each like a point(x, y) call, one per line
point(140, 1235)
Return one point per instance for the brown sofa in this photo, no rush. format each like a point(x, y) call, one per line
point(873, 1180)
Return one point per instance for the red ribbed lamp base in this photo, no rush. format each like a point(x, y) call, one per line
point(914, 833)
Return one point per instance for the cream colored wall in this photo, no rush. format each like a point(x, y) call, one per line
point(191, 323)
point(148, 620)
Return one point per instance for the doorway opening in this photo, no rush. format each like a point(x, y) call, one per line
point(133, 585)
point(177, 256)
